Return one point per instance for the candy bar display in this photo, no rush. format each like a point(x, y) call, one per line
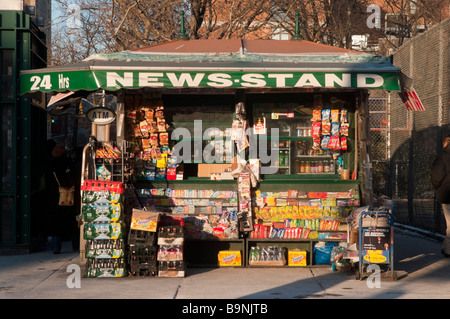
point(103, 228)
point(188, 201)
point(303, 215)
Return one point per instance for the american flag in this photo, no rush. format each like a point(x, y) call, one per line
point(411, 100)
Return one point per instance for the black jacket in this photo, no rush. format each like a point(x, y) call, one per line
point(440, 176)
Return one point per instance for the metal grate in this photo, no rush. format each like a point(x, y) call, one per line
point(415, 138)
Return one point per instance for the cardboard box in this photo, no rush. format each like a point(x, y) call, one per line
point(229, 258)
point(296, 257)
point(205, 170)
point(144, 220)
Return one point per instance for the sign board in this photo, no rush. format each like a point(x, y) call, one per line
point(376, 245)
point(91, 80)
point(101, 115)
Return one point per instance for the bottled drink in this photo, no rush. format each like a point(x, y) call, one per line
point(320, 167)
point(281, 158)
point(308, 168)
point(326, 167)
point(313, 168)
point(302, 167)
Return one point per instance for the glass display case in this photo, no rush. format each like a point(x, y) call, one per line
point(298, 151)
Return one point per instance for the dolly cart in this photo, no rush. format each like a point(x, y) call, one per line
point(376, 244)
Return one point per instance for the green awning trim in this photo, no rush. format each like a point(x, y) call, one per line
point(134, 70)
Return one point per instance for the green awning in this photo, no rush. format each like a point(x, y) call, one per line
point(134, 71)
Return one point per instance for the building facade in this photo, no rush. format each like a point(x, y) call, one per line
point(23, 46)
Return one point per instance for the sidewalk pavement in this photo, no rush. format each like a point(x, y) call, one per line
point(423, 273)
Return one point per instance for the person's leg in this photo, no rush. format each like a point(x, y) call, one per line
point(446, 244)
point(56, 244)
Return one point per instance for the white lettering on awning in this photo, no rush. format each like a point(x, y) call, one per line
point(185, 78)
point(308, 79)
point(219, 80)
point(113, 79)
point(280, 79)
point(362, 80)
point(332, 79)
point(150, 79)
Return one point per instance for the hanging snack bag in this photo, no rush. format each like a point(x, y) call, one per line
point(344, 129)
point(335, 129)
point(344, 143)
point(145, 143)
point(152, 127)
point(159, 113)
point(317, 115)
point(161, 125)
point(154, 140)
point(344, 116)
point(316, 129)
point(334, 115)
point(326, 115)
point(164, 138)
point(334, 143)
point(325, 142)
point(143, 126)
point(149, 114)
point(316, 144)
point(326, 128)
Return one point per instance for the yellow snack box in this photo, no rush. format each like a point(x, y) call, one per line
point(144, 220)
point(230, 258)
point(296, 257)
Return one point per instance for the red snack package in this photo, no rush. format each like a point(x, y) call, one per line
point(316, 129)
point(334, 141)
point(344, 143)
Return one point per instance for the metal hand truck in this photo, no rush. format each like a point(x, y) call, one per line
point(376, 244)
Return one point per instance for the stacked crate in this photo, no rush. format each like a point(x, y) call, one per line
point(142, 243)
point(103, 228)
point(170, 251)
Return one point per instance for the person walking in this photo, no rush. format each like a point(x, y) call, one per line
point(61, 219)
point(440, 180)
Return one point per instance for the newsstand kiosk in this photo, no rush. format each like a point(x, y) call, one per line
point(243, 153)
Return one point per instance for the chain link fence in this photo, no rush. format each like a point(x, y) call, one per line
point(405, 143)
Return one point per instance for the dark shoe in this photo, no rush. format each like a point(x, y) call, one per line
point(445, 255)
point(56, 251)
